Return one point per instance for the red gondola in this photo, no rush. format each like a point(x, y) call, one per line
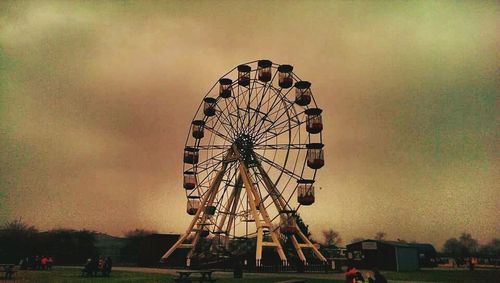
point(198, 129)
point(244, 75)
point(303, 93)
point(264, 70)
point(305, 192)
point(190, 155)
point(314, 123)
point(285, 76)
point(209, 106)
point(315, 158)
point(189, 180)
point(225, 89)
point(193, 204)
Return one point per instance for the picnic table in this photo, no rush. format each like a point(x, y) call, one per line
point(8, 269)
point(204, 276)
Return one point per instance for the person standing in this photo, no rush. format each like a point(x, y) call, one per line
point(43, 262)
point(50, 262)
point(108, 264)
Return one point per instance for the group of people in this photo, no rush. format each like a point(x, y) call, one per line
point(95, 265)
point(36, 263)
point(353, 275)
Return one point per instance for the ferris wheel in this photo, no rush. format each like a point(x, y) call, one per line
point(250, 159)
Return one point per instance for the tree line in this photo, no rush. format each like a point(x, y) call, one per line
point(19, 240)
point(67, 246)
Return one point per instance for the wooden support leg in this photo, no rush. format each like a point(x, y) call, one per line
point(310, 245)
point(252, 196)
point(298, 249)
point(281, 205)
point(199, 218)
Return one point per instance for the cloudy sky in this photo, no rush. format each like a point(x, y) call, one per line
point(96, 98)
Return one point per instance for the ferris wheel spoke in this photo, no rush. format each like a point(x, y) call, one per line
point(276, 121)
point(279, 99)
point(265, 90)
point(249, 100)
point(269, 195)
point(288, 200)
point(211, 159)
point(225, 123)
point(275, 196)
point(283, 108)
point(217, 133)
point(265, 115)
point(221, 197)
point(258, 90)
point(241, 99)
point(204, 183)
point(260, 139)
point(214, 146)
point(280, 146)
point(277, 166)
point(230, 113)
point(209, 178)
point(222, 116)
point(278, 196)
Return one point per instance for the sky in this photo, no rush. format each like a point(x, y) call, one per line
point(96, 99)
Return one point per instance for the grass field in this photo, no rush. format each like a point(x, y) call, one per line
point(73, 275)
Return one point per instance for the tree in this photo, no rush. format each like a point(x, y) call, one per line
point(67, 246)
point(464, 246)
point(331, 237)
point(469, 244)
point(133, 239)
point(452, 247)
point(17, 240)
point(492, 249)
point(380, 236)
point(18, 226)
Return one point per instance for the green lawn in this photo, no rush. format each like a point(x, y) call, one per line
point(451, 275)
point(73, 275)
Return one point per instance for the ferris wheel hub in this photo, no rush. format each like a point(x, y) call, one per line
point(244, 143)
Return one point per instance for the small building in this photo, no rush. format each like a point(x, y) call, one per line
point(427, 255)
point(384, 255)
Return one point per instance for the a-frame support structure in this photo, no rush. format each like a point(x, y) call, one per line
point(257, 209)
point(286, 212)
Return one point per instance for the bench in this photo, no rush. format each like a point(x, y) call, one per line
point(185, 276)
point(8, 269)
